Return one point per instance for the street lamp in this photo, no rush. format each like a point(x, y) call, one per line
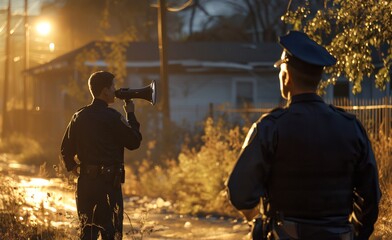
point(43, 28)
point(51, 47)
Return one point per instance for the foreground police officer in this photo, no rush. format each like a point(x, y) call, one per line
point(310, 163)
point(97, 135)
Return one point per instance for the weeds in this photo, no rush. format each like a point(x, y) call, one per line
point(383, 152)
point(196, 182)
point(22, 149)
point(138, 231)
point(21, 220)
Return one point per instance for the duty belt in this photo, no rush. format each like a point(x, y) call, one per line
point(294, 230)
point(97, 169)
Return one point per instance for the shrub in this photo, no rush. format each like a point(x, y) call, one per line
point(23, 149)
point(383, 151)
point(196, 181)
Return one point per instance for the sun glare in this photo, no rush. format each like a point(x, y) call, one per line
point(43, 28)
point(45, 202)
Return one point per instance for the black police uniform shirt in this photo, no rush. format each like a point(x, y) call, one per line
point(311, 160)
point(97, 134)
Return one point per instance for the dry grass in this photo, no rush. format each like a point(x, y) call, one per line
point(383, 152)
point(19, 220)
point(196, 181)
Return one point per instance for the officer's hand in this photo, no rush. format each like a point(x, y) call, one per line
point(129, 106)
point(75, 171)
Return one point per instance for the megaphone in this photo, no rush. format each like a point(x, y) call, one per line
point(147, 93)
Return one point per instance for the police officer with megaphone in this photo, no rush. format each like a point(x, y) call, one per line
point(97, 136)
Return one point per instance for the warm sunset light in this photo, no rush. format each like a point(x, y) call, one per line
point(51, 46)
point(218, 119)
point(43, 28)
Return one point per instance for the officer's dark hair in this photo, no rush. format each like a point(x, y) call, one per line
point(98, 81)
point(305, 79)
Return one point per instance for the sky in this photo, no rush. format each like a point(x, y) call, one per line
point(213, 8)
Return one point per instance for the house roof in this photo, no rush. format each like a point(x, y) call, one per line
point(188, 54)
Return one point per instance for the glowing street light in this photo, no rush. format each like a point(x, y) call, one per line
point(43, 28)
point(51, 47)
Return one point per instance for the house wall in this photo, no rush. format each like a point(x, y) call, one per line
point(48, 113)
point(193, 97)
point(369, 90)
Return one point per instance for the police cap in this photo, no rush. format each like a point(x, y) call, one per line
point(303, 53)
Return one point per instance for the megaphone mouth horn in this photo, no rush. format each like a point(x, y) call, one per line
point(147, 93)
point(154, 93)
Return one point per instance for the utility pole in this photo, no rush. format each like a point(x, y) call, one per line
point(4, 132)
point(162, 41)
point(26, 57)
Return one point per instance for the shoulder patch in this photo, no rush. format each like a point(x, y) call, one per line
point(250, 136)
point(342, 112)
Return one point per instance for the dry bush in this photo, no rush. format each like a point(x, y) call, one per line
point(195, 183)
point(23, 149)
point(382, 147)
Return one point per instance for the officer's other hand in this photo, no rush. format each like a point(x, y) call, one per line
point(75, 171)
point(129, 106)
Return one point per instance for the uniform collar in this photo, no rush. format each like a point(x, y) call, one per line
point(99, 103)
point(305, 97)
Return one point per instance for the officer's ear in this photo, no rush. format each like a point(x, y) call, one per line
point(286, 78)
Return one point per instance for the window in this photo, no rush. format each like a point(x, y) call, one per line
point(244, 93)
point(341, 89)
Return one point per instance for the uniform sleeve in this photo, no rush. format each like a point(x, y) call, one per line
point(246, 183)
point(68, 147)
point(127, 132)
point(366, 190)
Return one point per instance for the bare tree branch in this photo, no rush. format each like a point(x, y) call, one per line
point(182, 7)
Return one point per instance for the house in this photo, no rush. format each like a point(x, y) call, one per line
point(202, 76)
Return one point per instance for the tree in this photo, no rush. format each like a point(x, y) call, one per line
point(227, 28)
point(358, 33)
point(84, 21)
point(259, 18)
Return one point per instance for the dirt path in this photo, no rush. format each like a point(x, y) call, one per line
point(168, 225)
